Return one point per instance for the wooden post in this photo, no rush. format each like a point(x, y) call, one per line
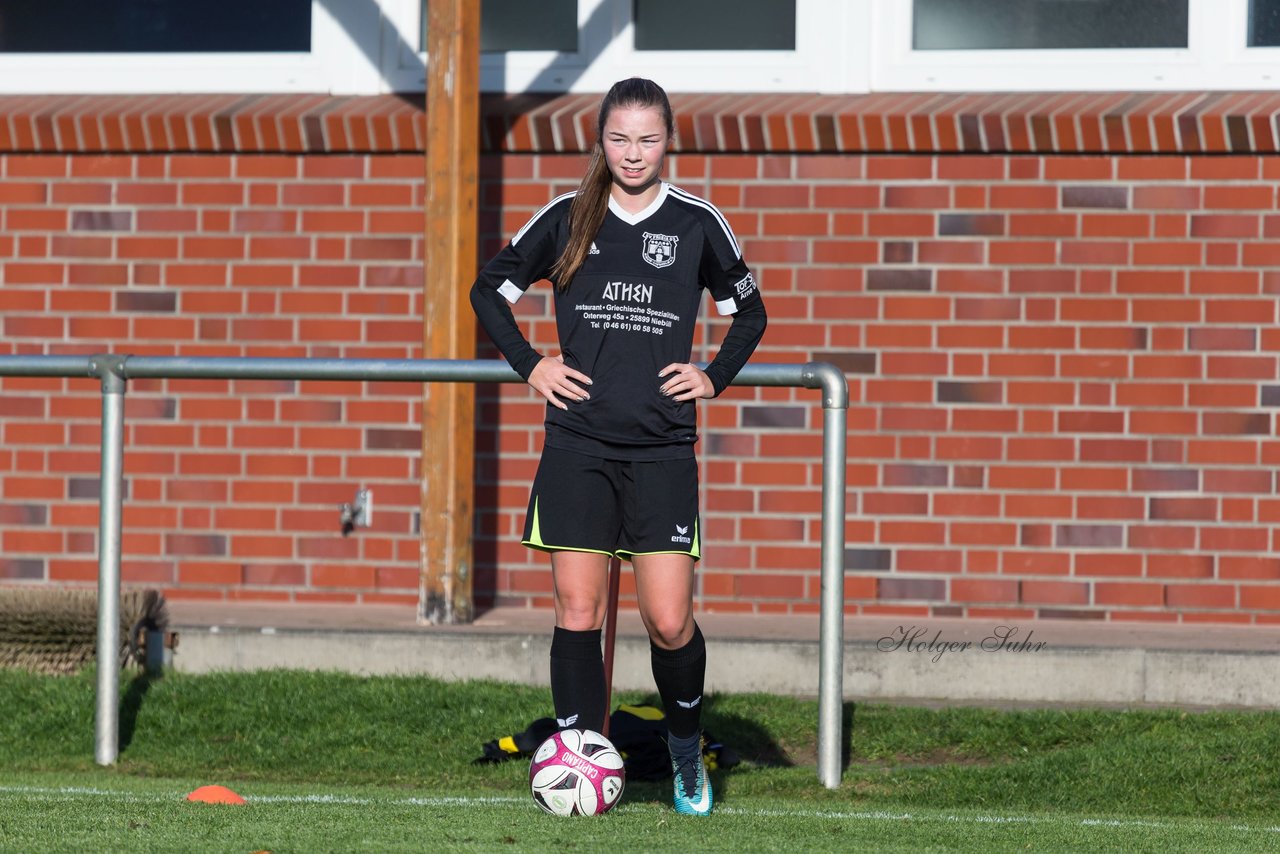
point(448, 442)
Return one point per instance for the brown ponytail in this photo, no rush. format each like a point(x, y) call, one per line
point(586, 212)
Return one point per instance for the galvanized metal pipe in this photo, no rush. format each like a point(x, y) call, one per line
point(107, 717)
point(373, 370)
point(831, 627)
point(114, 371)
point(47, 366)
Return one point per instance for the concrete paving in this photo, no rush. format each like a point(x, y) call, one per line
point(899, 660)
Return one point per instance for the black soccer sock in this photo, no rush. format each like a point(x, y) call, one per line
point(685, 748)
point(577, 679)
point(680, 675)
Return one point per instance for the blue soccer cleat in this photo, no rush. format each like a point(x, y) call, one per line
point(692, 795)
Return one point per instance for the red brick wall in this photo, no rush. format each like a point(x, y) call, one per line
point(232, 488)
point(1063, 372)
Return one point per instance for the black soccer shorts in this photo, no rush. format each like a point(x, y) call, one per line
point(615, 507)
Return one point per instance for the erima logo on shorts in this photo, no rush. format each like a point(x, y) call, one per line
point(682, 536)
point(660, 249)
point(565, 723)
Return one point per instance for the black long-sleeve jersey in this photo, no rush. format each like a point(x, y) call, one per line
point(628, 312)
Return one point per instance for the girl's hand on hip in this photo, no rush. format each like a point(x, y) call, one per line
point(552, 379)
point(685, 382)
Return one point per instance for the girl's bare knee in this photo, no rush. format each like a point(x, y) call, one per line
point(580, 615)
point(670, 631)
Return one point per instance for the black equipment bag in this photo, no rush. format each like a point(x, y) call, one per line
point(639, 733)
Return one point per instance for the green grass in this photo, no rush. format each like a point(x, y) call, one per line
point(337, 762)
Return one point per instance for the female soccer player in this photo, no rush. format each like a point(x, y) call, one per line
point(629, 256)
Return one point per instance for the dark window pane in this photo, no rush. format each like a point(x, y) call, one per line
point(1048, 24)
point(524, 25)
point(155, 26)
point(715, 24)
point(1264, 23)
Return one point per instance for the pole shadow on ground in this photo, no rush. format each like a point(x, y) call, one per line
point(131, 706)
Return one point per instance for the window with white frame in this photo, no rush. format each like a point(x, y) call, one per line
point(164, 46)
point(704, 45)
point(825, 46)
point(156, 26)
point(1075, 45)
point(1047, 24)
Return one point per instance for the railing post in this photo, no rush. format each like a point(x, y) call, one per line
point(107, 721)
point(835, 405)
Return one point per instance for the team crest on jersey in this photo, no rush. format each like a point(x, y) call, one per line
point(660, 249)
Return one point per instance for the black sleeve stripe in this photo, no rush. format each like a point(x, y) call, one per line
point(534, 219)
point(691, 199)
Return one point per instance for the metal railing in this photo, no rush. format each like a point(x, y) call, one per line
point(114, 372)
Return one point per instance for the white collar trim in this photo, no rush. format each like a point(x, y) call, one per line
point(637, 218)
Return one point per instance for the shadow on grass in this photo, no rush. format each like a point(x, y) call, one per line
point(847, 712)
point(744, 745)
point(130, 706)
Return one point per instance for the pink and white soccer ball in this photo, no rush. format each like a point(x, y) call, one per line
point(576, 772)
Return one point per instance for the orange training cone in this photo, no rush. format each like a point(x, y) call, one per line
point(215, 795)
